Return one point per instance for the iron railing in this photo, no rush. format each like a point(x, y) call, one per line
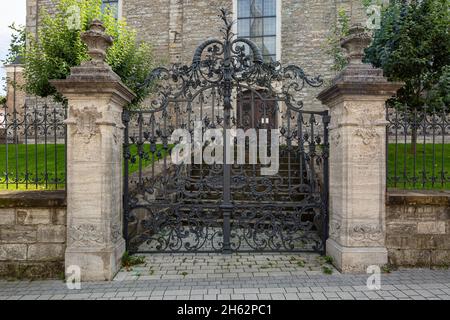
point(418, 148)
point(32, 147)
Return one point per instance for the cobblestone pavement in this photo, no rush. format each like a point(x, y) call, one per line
point(243, 276)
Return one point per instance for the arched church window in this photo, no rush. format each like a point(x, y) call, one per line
point(257, 21)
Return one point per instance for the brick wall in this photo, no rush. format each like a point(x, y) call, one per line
point(32, 234)
point(418, 229)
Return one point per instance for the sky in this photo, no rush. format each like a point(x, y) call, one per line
point(10, 11)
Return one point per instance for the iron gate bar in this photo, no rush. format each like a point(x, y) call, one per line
point(211, 208)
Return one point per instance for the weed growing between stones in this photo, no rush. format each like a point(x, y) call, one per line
point(129, 261)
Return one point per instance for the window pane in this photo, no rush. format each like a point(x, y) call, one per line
point(243, 27)
point(112, 5)
point(259, 27)
point(269, 45)
point(258, 42)
point(256, 27)
point(244, 8)
point(270, 26)
point(270, 7)
point(256, 8)
point(270, 58)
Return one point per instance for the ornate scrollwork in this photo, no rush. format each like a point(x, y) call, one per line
point(85, 122)
point(181, 207)
point(237, 58)
point(85, 235)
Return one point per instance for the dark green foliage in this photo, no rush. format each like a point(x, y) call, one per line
point(413, 46)
point(59, 47)
point(129, 261)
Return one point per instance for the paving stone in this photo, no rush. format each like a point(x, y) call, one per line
point(291, 296)
point(318, 296)
point(264, 296)
point(282, 282)
point(345, 296)
point(304, 295)
point(278, 296)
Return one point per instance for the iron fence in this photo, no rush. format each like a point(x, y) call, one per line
point(33, 147)
point(418, 148)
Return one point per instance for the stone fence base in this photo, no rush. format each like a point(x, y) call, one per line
point(418, 228)
point(32, 234)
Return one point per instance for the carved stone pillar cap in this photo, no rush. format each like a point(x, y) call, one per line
point(97, 41)
point(355, 43)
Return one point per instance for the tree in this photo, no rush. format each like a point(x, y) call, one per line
point(58, 47)
point(413, 46)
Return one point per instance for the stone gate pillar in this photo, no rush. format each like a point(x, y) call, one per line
point(96, 98)
point(356, 99)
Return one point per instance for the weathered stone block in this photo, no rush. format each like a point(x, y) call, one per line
point(431, 227)
point(59, 216)
point(46, 252)
point(401, 242)
point(425, 213)
point(356, 259)
point(401, 228)
point(13, 252)
point(33, 216)
point(417, 258)
point(394, 212)
point(7, 216)
point(18, 234)
point(443, 213)
point(55, 234)
point(24, 270)
point(426, 241)
point(440, 258)
point(442, 241)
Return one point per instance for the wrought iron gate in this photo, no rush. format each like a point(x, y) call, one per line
point(195, 206)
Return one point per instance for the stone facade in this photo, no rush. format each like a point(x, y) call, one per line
point(177, 27)
point(418, 229)
point(32, 234)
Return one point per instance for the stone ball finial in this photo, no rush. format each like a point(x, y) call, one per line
point(355, 43)
point(97, 41)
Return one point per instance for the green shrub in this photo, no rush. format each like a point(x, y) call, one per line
point(129, 261)
point(58, 47)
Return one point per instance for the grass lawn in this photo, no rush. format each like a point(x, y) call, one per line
point(405, 161)
point(147, 158)
point(32, 161)
point(49, 163)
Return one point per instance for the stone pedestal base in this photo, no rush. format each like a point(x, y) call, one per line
point(355, 259)
point(96, 264)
